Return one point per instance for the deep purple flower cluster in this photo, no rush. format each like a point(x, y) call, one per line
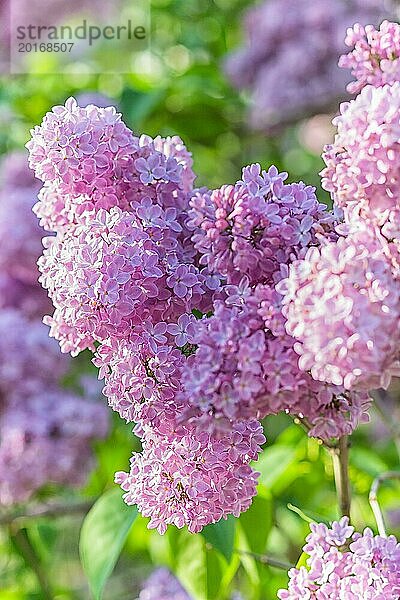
point(45, 431)
point(344, 564)
point(289, 58)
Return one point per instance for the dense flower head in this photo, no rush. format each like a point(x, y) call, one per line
point(289, 58)
point(256, 226)
point(162, 585)
point(89, 159)
point(142, 375)
point(342, 304)
point(362, 164)
point(46, 437)
point(243, 369)
point(116, 271)
point(375, 58)
point(189, 477)
point(348, 565)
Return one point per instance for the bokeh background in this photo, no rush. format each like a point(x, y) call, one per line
point(233, 103)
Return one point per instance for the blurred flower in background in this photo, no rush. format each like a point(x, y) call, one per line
point(45, 431)
point(288, 62)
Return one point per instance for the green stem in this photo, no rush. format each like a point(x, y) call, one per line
point(373, 499)
point(23, 544)
point(340, 460)
point(267, 560)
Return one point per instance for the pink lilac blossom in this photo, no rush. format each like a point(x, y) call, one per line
point(142, 376)
point(186, 477)
point(348, 565)
point(342, 305)
point(46, 438)
point(162, 585)
point(256, 226)
point(362, 164)
point(90, 160)
point(374, 59)
point(246, 366)
point(117, 270)
point(288, 62)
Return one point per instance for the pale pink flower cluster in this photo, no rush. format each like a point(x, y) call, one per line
point(189, 477)
point(374, 59)
point(88, 159)
point(342, 302)
point(348, 565)
point(116, 270)
point(362, 164)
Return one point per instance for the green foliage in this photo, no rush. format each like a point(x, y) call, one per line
point(103, 535)
point(221, 536)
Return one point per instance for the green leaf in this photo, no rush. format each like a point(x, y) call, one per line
point(274, 462)
point(302, 562)
point(103, 535)
point(311, 517)
point(221, 536)
point(256, 523)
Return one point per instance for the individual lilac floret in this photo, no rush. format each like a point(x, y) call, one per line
point(288, 62)
point(362, 164)
point(342, 304)
point(347, 565)
point(89, 159)
point(192, 478)
point(162, 585)
point(374, 59)
point(256, 226)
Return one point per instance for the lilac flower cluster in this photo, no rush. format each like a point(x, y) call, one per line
point(257, 226)
point(45, 431)
point(296, 42)
point(123, 273)
point(342, 302)
point(344, 564)
point(210, 309)
point(188, 477)
point(375, 58)
point(246, 365)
